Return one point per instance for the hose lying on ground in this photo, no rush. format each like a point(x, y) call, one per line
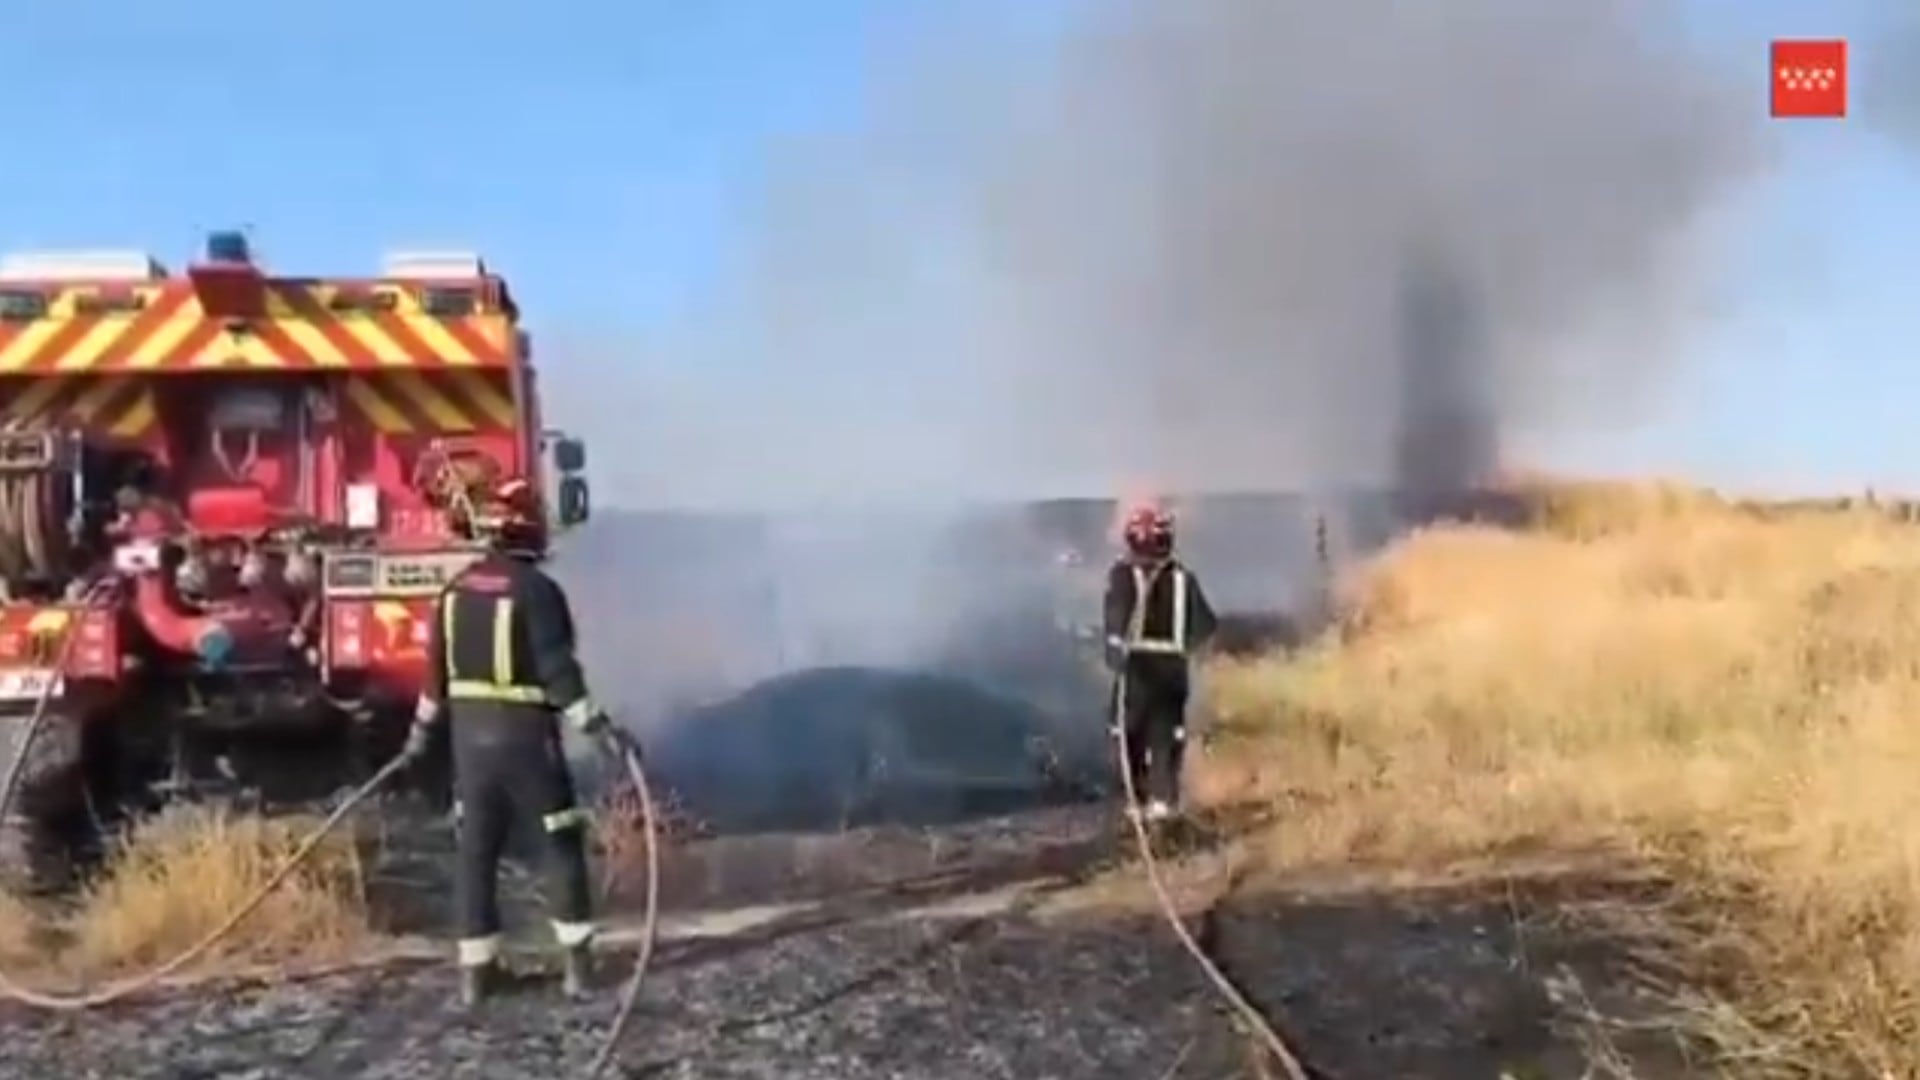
point(629, 754)
point(1249, 1013)
point(127, 987)
point(120, 989)
point(123, 988)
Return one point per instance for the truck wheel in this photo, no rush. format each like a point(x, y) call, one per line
point(49, 791)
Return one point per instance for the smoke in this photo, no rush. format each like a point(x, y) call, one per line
point(1196, 245)
point(1201, 245)
point(1218, 243)
point(1889, 79)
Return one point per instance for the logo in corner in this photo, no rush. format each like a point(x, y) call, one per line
point(1809, 78)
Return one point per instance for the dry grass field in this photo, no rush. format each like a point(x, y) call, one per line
point(179, 875)
point(1724, 697)
point(1719, 698)
point(176, 877)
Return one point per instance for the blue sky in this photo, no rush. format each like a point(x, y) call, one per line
point(1807, 373)
point(601, 156)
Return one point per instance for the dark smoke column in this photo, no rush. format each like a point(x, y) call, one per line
point(1447, 431)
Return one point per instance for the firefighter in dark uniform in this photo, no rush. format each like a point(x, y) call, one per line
point(1156, 615)
point(502, 673)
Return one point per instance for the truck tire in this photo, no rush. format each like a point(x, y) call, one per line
point(49, 791)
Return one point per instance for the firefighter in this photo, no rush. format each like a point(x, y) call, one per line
point(1156, 615)
point(502, 673)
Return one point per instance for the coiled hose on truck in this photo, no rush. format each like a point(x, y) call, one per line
point(32, 537)
point(621, 746)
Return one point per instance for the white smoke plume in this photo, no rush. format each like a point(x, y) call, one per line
point(1190, 245)
point(1217, 243)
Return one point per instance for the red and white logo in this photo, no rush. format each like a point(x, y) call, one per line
point(1810, 78)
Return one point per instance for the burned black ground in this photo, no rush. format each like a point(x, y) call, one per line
point(1009, 948)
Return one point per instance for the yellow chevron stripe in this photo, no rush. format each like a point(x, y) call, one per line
point(376, 409)
point(481, 391)
point(445, 345)
point(219, 353)
point(96, 396)
point(302, 330)
point(255, 353)
point(495, 330)
point(382, 348)
point(320, 296)
point(279, 310)
point(21, 350)
point(30, 404)
point(138, 417)
point(239, 350)
point(158, 345)
point(314, 339)
point(446, 416)
point(309, 338)
point(86, 352)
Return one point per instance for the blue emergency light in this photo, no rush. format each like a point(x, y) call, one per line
point(230, 287)
point(228, 246)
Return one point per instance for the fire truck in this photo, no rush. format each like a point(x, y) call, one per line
point(228, 499)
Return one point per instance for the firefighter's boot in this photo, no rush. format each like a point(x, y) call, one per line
point(478, 982)
point(576, 973)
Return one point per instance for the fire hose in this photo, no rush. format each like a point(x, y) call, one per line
point(629, 755)
point(1249, 1013)
point(28, 547)
point(623, 747)
point(123, 988)
point(620, 745)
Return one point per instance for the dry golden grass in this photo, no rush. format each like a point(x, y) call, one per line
point(17, 925)
point(177, 877)
point(1730, 697)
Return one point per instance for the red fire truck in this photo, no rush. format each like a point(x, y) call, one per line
point(227, 500)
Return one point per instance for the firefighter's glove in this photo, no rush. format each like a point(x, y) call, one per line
point(1116, 654)
point(589, 719)
point(619, 745)
point(419, 740)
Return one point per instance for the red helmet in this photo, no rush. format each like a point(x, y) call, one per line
point(511, 516)
point(1149, 532)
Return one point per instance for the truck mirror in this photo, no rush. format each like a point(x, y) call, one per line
point(574, 504)
point(569, 455)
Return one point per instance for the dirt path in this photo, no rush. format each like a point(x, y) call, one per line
point(966, 976)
